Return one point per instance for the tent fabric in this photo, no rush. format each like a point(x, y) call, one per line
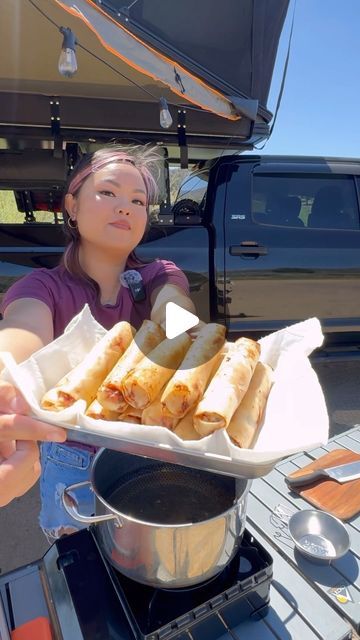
point(232, 43)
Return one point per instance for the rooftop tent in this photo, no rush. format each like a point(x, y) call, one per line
point(211, 61)
point(231, 45)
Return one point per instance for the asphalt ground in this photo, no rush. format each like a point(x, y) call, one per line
point(21, 540)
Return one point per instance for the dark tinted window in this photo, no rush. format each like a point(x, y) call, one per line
point(313, 202)
point(194, 187)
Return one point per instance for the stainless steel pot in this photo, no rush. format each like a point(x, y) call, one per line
point(163, 524)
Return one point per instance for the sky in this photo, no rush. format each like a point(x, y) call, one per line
point(320, 107)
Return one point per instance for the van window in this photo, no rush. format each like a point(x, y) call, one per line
point(312, 202)
point(194, 188)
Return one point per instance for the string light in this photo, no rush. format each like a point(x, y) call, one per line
point(67, 60)
point(165, 115)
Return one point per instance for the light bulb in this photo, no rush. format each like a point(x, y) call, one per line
point(67, 63)
point(165, 115)
point(67, 60)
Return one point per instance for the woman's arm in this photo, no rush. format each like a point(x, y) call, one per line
point(27, 326)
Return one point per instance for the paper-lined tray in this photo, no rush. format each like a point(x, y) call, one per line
point(295, 419)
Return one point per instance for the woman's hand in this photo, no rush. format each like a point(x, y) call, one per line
point(19, 453)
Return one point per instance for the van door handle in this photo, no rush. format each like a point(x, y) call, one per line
point(248, 250)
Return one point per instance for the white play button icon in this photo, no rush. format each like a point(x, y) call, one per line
point(178, 320)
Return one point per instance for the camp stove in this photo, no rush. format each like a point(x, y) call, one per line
point(73, 593)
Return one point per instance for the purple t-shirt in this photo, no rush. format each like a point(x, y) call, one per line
point(66, 295)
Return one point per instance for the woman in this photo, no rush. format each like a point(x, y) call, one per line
point(106, 213)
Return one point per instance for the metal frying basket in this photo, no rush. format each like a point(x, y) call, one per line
point(172, 495)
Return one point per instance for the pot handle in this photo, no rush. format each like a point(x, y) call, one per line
point(70, 506)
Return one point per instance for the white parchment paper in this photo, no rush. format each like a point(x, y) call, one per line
point(296, 417)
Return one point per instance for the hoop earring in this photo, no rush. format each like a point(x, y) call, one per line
point(71, 223)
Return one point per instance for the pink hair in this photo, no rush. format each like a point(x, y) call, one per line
point(109, 155)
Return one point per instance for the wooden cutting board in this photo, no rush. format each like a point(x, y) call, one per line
point(342, 500)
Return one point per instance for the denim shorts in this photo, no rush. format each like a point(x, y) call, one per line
point(62, 466)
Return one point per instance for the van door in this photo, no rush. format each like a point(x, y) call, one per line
point(292, 248)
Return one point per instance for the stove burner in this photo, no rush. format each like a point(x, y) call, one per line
point(152, 609)
point(108, 605)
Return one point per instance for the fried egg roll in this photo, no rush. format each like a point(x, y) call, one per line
point(245, 424)
point(147, 338)
point(134, 413)
point(185, 428)
point(97, 412)
point(83, 381)
point(188, 384)
point(157, 415)
point(130, 418)
point(142, 385)
point(227, 388)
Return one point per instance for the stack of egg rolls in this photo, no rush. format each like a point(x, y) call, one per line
point(191, 387)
